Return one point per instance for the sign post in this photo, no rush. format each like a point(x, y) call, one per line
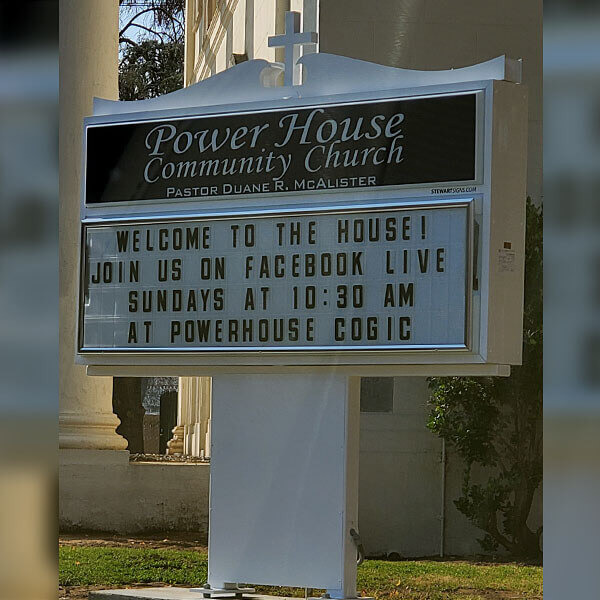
point(367, 222)
point(284, 482)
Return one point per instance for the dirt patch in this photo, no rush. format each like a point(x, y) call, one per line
point(182, 541)
point(496, 594)
point(164, 458)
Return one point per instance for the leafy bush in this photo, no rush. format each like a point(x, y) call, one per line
point(496, 422)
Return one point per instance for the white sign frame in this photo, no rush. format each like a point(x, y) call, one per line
point(498, 203)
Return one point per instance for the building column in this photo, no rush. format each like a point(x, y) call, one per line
point(175, 444)
point(202, 432)
point(88, 68)
point(191, 435)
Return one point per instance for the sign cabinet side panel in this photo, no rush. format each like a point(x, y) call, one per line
point(507, 240)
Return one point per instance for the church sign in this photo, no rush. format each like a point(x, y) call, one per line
point(301, 226)
point(369, 221)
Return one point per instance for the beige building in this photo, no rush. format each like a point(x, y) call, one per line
point(411, 34)
point(407, 483)
point(407, 480)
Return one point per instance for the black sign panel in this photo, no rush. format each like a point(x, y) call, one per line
point(344, 146)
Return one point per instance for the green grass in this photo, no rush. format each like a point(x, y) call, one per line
point(402, 580)
point(120, 566)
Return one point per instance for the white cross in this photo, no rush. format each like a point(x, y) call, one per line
point(291, 41)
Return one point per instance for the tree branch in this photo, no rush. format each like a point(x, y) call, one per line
point(170, 17)
point(122, 38)
point(158, 34)
point(492, 529)
point(131, 21)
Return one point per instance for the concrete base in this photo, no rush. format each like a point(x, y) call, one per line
point(172, 593)
point(166, 593)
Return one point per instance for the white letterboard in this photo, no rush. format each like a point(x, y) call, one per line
point(392, 278)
